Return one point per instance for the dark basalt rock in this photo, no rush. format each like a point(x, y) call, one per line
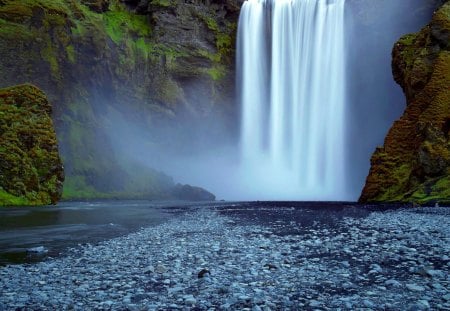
point(203, 273)
point(191, 193)
point(414, 163)
point(31, 171)
point(98, 6)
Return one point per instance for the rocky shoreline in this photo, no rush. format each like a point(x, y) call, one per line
point(205, 259)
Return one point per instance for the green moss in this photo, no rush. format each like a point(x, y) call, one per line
point(16, 12)
point(169, 92)
point(217, 72)
point(224, 42)
point(442, 16)
point(71, 55)
point(30, 163)
point(52, 42)
point(419, 139)
point(75, 187)
point(7, 199)
point(52, 5)
point(120, 24)
point(50, 56)
point(437, 190)
point(9, 31)
point(214, 57)
point(399, 176)
point(79, 30)
point(143, 47)
point(79, 135)
point(407, 39)
point(163, 3)
point(210, 22)
point(442, 188)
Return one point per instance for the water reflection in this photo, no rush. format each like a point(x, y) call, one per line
point(71, 223)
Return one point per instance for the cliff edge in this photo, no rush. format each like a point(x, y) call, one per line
point(414, 163)
point(152, 73)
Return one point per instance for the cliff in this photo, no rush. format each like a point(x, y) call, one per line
point(164, 66)
point(414, 163)
point(31, 171)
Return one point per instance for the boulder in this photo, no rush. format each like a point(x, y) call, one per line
point(31, 171)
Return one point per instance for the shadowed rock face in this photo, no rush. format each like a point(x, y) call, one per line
point(31, 171)
point(165, 66)
point(190, 193)
point(414, 163)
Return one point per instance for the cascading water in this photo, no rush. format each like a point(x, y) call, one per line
point(292, 85)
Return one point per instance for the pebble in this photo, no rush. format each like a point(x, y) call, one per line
point(189, 300)
point(393, 283)
point(315, 303)
point(368, 303)
point(415, 288)
point(424, 303)
point(348, 263)
point(161, 269)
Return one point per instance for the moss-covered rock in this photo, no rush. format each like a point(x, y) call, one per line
point(414, 163)
point(31, 171)
point(161, 65)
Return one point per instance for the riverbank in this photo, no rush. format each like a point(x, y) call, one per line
point(209, 259)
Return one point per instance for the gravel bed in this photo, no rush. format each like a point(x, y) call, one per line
point(202, 260)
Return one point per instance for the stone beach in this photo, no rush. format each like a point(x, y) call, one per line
point(210, 258)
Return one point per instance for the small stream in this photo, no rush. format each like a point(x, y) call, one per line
point(50, 230)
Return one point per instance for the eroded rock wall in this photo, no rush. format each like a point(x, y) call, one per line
point(162, 65)
point(31, 171)
point(414, 163)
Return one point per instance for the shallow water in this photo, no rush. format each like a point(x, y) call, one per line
point(68, 224)
point(71, 223)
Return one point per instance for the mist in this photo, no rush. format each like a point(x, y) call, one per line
point(205, 150)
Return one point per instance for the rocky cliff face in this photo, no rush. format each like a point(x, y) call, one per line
point(163, 65)
point(31, 171)
point(414, 163)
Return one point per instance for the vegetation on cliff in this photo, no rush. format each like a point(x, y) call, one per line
point(162, 65)
point(414, 163)
point(31, 171)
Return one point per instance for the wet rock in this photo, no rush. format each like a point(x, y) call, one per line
point(315, 303)
point(368, 303)
point(149, 270)
point(424, 304)
point(392, 283)
point(112, 270)
point(98, 6)
point(415, 288)
point(203, 273)
point(161, 269)
point(37, 250)
point(189, 300)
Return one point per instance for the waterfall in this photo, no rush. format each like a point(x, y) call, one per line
point(291, 75)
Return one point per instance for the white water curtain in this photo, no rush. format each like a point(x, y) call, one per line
point(291, 64)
